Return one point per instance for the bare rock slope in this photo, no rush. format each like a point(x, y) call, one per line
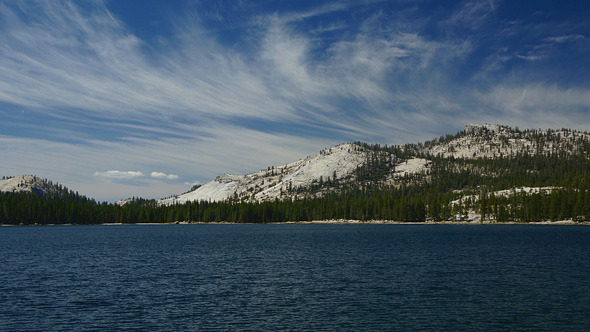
point(491, 141)
point(31, 184)
point(338, 162)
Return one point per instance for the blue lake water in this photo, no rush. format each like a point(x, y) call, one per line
point(295, 277)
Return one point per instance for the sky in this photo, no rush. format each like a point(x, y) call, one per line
point(146, 98)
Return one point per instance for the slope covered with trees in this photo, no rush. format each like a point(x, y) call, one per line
point(486, 173)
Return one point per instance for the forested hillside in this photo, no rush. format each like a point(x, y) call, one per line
point(486, 173)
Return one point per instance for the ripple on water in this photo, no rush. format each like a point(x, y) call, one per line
point(295, 277)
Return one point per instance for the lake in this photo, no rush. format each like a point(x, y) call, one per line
point(295, 277)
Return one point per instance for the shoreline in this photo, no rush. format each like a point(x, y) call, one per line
point(335, 222)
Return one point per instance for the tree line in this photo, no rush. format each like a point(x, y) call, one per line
point(369, 194)
point(406, 204)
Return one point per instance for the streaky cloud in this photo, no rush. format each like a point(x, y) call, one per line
point(565, 39)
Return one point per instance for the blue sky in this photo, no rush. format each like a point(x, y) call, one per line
point(144, 98)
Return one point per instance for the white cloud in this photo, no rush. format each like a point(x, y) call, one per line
point(119, 175)
point(90, 62)
point(565, 38)
point(472, 15)
point(531, 57)
point(160, 175)
point(537, 106)
point(318, 11)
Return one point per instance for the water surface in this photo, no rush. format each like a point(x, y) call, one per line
point(295, 277)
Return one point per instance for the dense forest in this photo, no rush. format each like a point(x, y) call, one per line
point(404, 204)
point(451, 189)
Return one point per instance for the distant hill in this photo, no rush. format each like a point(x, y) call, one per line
point(28, 200)
point(35, 185)
point(492, 141)
point(485, 173)
point(356, 164)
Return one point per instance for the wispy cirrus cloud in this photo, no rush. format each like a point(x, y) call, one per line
point(86, 61)
point(374, 69)
point(472, 14)
point(523, 100)
point(565, 39)
point(81, 67)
